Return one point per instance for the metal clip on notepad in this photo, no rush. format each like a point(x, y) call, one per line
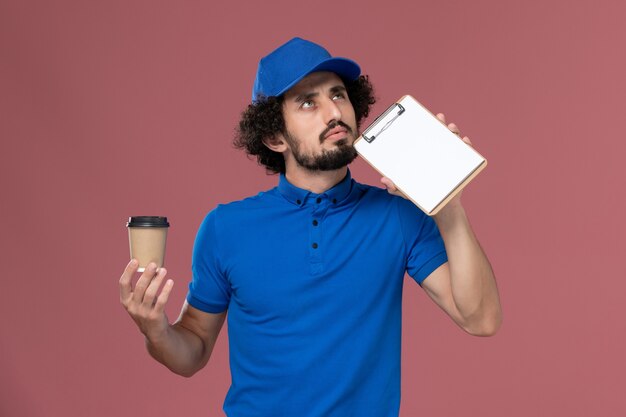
point(382, 122)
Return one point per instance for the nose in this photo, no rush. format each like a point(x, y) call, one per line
point(331, 112)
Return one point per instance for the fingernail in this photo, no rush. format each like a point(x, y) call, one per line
point(133, 262)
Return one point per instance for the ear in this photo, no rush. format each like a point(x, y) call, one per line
point(276, 143)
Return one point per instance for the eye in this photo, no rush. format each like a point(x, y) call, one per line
point(307, 104)
point(339, 96)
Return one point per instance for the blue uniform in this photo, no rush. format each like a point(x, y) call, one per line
point(313, 288)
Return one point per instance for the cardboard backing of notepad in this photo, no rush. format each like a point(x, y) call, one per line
point(424, 159)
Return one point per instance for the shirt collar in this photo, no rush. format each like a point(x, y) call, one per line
point(299, 197)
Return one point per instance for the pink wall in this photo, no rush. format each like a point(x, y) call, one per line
point(110, 109)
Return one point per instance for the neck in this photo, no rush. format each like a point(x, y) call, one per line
point(315, 181)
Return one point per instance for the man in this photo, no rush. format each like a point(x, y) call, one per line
point(311, 271)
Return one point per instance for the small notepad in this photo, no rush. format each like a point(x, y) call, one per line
point(424, 159)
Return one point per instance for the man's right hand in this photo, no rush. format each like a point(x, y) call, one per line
point(144, 303)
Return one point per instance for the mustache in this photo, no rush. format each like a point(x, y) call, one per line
point(333, 125)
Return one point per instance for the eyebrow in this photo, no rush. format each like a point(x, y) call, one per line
point(304, 97)
point(338, 88)
point(307, 96)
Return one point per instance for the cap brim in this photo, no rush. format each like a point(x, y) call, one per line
point(345, 68)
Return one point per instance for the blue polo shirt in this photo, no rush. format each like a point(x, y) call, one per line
point(313, 288)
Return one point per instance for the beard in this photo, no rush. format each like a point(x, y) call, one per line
point(328, 160)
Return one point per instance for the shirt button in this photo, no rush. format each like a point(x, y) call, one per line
point(319, 200)
point(314, 245)
point(298, 202)
point(315, 223)
point(334, 201)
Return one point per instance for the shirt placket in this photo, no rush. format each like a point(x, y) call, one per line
point(316, 227)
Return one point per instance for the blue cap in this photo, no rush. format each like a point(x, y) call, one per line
point(289, 63)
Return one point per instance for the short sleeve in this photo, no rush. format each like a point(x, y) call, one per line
point(209, 289)
point(424, 246)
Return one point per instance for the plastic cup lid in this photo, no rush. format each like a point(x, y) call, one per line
point(147, 221)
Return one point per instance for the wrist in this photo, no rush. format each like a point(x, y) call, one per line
point(158, 335)
point(451, 220)
point(452, 210)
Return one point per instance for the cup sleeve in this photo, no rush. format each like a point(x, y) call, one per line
point(425, 250)
point(209, 289)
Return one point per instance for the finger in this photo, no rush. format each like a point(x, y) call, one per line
point(153, 287)
point(454, 129)
point(389, 185)
point(441, 117)
point(163, 297)
point(467, 140)
point(143, 282)
point(125, 280)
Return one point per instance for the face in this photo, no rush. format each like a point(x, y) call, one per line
point(320, 125)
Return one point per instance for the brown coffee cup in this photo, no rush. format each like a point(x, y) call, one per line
point(147, 236)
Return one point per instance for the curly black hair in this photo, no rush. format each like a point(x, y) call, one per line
point(264, 119)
